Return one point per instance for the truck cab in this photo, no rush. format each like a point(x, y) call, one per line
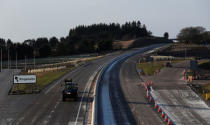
point(70, 90)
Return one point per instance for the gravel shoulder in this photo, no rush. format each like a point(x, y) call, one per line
point(142, 110)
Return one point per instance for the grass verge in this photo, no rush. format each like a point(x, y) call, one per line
point(43, 80)
point(149, 68)
point(206, 88)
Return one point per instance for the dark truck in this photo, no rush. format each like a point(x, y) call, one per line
point(70, 90)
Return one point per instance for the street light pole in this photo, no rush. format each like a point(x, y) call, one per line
point(34, 61)
point(8, 58)
point(16, 60)
point(25, 63)
point(185, 59)
point(1, 59)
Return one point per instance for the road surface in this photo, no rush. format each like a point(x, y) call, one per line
point(47, 107)
point(182, 105)
point(118, 100)
point(135, 95)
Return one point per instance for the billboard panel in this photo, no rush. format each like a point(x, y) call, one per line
point(18, 79)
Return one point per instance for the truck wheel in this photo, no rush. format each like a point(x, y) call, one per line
point(75, 99)
point(63, 99)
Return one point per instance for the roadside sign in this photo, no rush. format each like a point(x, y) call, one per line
point(23, 79)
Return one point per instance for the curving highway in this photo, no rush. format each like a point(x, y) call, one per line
point(117, 99)
point(47, 108)
point(113, 104)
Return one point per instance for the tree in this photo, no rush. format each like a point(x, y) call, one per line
point(30, 42)
point(206, 37)
point(191, 35)
point(2, 42)
point(82, 39)
point(105, 45)
point(166, 35)
point(139, 24)
point(45, 51)
point(53, 42)
point(9, 43)
point(41, 42)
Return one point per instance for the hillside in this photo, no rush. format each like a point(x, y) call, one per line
point(144, 41)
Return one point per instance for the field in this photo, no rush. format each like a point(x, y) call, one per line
point(46, 78)
point(149, 68)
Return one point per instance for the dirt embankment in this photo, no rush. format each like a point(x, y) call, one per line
point(122, 44)
point(145, 41)
point(140, 42)
point(189, 50)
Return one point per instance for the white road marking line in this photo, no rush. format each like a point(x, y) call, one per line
point(47, 91)
point(52, 87)
point(20, 120)
point(50, 115)
point(82, 101)
point(89, 81)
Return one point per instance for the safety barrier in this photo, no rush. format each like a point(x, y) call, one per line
point(46, 69)
point(164, 115)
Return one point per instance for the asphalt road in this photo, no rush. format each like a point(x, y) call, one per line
point(120, 101)
point(178, 101)
point(47, 107)
point(134, 93)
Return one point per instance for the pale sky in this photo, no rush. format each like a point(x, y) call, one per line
point(27, 19)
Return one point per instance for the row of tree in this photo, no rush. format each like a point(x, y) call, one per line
point(82, 39)
point(196, 35)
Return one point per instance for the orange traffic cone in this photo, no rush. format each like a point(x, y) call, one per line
point(150, 99)
point(147, 94)
point(148, 83)
point(159, 110)
point(162, 116)
point(151, 83)
point(156, 106)
point(183, 78)
point(166, 118)
point(169, 122)
point(144, 85)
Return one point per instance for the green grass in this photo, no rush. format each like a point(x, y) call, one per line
point(47, 78)
point(43, 80)
point(149, 68)
point(206, 87)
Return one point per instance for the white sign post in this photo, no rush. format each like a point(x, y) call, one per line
point(24, 79)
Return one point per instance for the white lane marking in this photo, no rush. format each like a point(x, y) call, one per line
point(34, 119)
point(47, 91)
point(89, 81)
point(51, 113)
point(53, 86)
point(18, 122)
